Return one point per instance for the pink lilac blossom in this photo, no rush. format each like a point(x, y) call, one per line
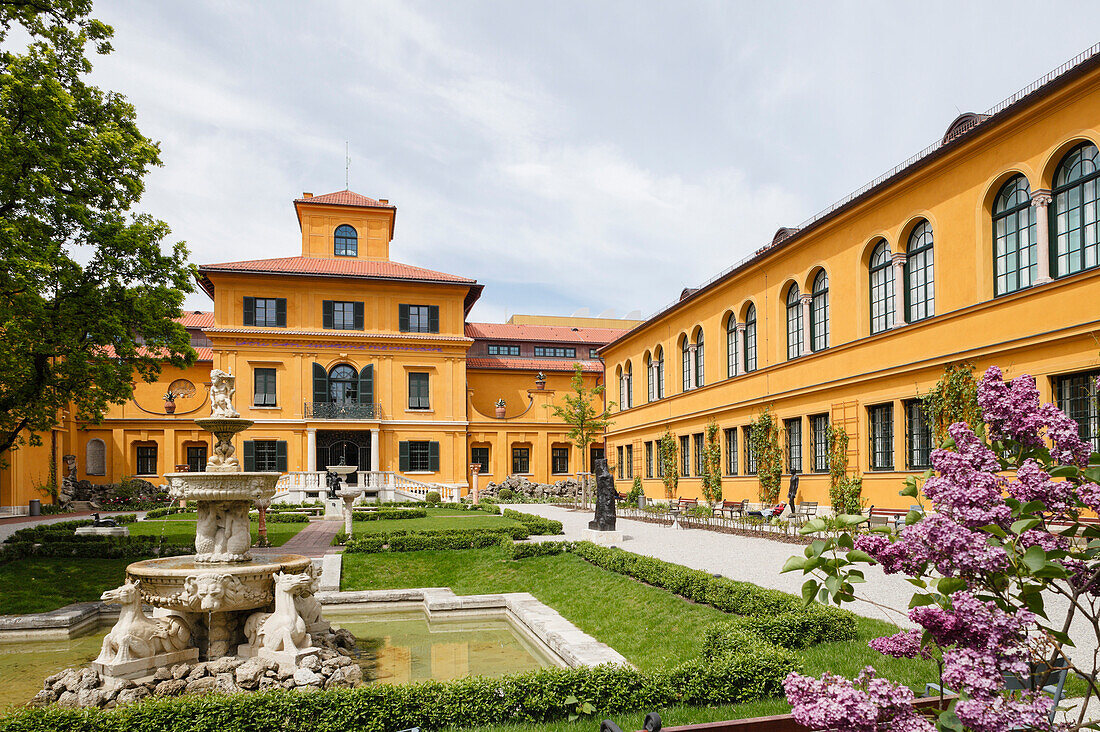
point(954, 550)
point(999, 713)
point(1089, 493)
point(1035, 484)
point(1081, 575)
point(1045, 540)
point(1011, 410)
point(1068, 448)
point(905, 644)
point(967, 487)
point(865, 704)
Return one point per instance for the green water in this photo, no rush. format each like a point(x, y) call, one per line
point(394, 648)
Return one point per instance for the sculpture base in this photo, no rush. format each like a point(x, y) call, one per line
point(334, 509)
point(103, 531)
point(603, 538)
point(146, 666)
point(289, 659)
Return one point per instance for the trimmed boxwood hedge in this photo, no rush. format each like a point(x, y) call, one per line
point(536, 525)
point(170, 510)
point(415, 541)
point(387, 514)
point(61, 540)
point(287, 518)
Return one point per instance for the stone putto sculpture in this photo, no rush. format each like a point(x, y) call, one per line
point(136, 636)
point(222, 534)
point(223, 386)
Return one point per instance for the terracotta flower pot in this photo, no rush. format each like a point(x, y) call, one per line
point(500, 412)
point(169, 407)
point(540, 385)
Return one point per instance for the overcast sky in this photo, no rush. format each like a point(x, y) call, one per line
point(568, 155)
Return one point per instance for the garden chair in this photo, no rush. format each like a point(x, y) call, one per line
point(806, 511)
point(1054, 686)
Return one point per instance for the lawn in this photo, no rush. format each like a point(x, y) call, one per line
point(40, 584)
point(177, 530)
point(435, 520)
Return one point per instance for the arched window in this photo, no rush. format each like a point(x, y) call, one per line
point(731, 346)
point(699, 361)
point(882, 289)
point(650, 381)
point(819, 313)
point(1015, 265)
point(622, 388)
point(685, 364)
point(343, 383)
point(1074, 217)
point(629, 385)
point(95, 457)
point(794, 322)
point(659, 370)
point(920, 281)
point(626, 391)
point(750, 339)
point(345, 241)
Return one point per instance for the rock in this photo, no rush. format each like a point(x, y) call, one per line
point(353, 674)
point(68, 700)
point(285, 672)
point(171, 687)
point(287, 684)
point(306, 677)
point(43, 698)
point(89, 698)
point(162, 674)
point(248, 674)
point(224, 684)
point(202, 685)
point(267, 683)
point(69, 681)
point(197, 671)
point(270, 666)
point(224, 665)
point(311, 662)
point(180, 671)
point(129, 696)
point(336, 680)
point(344, 638)
point(89, 679)
point(51, 680)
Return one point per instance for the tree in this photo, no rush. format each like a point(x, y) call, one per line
point(712, 465)
point(670, 466)
point(87, 297)
point(953, 399)
point(586, 422)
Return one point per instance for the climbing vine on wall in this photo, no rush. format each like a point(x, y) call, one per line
point(712, 465)
point(845, 491)
point(954, 398)
point(671, 467)
point(769, 459)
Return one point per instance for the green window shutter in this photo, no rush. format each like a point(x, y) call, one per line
point(366, 385)
point(433, 318)
point(280, 455)
point(358, 315)
point(280, 312)
point(403, 318)
point(249, 456)
point(326, 313)
point(250, 311)
point(403, 457)
point(320, 383)
point(433, 457)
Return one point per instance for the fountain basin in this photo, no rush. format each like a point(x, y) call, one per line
point(185, 584)
point(222, 486)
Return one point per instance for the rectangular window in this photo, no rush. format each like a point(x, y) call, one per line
point(266, 456)
point(265, 312)
point(521, 460)
point(649, 460)
point(147, 460)
point(418, 456)
point(418, 390)
point(196, 458)
point(1076, 396)
point(480, 456)
point(592, 353)
point(503, 350)
point(559, 460)
point(263, 387)
point(620, 469)
point(698, 440)
point(555, 352)
point(918, 437)
point(659, 468)
point(881, 418)
point(819, 423)
point(731, 451)
point(685, 456)
point(750, 452)
point(630, 462)
point(418, 318)
point(341, 315)
point(794, 444)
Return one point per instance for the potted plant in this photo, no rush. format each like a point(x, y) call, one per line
point(500, 405)
point(540, 381)
point(169, 402)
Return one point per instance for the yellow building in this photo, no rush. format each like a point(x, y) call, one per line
point(984, 249)
point(341, 353)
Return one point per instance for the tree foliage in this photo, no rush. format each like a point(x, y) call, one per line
point(670, 466)
point(712, 465)
point(764, 442)
point(585, 420)
point(845, 491)
point(954, 398)
point(87, 297)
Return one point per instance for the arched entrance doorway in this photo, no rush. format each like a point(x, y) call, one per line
point(353, 446)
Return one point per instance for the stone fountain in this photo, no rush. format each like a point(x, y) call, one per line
point(221, 601)
point(343, 491)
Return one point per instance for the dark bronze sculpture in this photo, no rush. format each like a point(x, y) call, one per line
point(332, 480)
point(605, 499)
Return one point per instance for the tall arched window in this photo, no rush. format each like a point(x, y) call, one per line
point(819, 313)
point(628, 372)
point(343, 384)
point(794, 322)
point(685, 362)
point(1015, 265)
point(345, 242)
point(882, 289)
point(659, 370)
point(95, 457)
point(622, 389)
point(750, 339)
point(920, 281)
point(650, 382)
point(699, 361)
point(1074, 217)
point(731, 346)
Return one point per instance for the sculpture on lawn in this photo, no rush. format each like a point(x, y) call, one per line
point(605, 499)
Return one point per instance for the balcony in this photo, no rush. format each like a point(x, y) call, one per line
point(342, 410)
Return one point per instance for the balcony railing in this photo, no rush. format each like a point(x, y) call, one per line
point(342, 410)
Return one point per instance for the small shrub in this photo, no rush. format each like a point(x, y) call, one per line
point(387, 514)
point(288, 518)
point(506, 494)
point(635, 491)
point(432, 497)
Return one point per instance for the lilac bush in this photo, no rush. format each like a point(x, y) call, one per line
point(1004, 531)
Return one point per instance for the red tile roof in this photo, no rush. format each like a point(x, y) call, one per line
point(344, 198)
point(197, 319)
point(556, 333)
point(533, 364)
point(205, 354)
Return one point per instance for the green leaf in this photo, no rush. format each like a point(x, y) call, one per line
point(910, 488)
point(572, 700)
point(950, 585)
point(1023, 525)
point(858, 555)
point(920, 599)
point(809, 590)
point(1064, 471)
point(950, 721)
point(793, 563)
point(1034, 602)
point(844, 541)
point(1034, 558)
point(913, 517)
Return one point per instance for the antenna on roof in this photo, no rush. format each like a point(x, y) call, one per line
point(347, 164)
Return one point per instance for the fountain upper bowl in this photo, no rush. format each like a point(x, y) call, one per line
point(252, 486)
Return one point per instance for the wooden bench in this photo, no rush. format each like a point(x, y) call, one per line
point(732, 509)
point(686, 504)
point(886, 517)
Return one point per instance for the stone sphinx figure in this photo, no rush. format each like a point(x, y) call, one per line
point(223, 386)
point(282, 631)
point(136, 636)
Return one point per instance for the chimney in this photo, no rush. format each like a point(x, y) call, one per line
point(307, 194)
point(384, 201)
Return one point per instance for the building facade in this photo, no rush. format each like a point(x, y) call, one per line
point(342, 354)
point(984, 250)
